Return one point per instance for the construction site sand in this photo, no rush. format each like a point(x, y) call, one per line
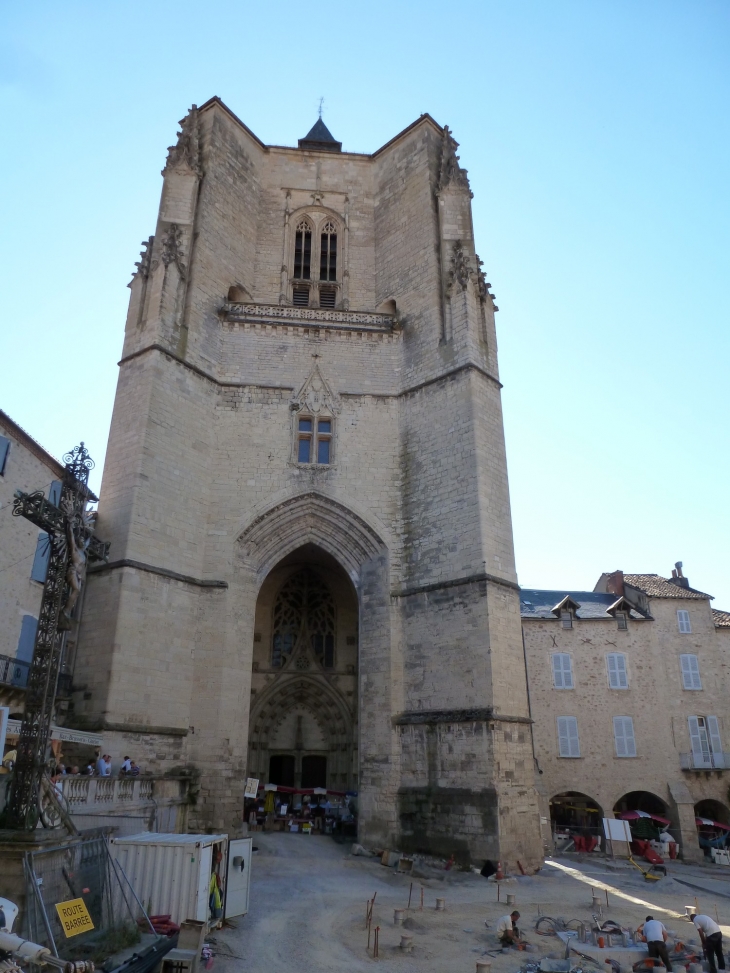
point(308, 903)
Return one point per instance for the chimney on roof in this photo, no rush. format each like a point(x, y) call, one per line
point(615, 584)
point(677, 577)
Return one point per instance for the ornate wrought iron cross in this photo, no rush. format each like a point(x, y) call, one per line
point(70, 528)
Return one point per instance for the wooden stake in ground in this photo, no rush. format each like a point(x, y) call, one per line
point(497, 891)
point(607, 898)
point(375, 947)
point(410, 893)
point(421, 898)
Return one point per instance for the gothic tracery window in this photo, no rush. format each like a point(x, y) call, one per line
point(303, 251)
point(328, 252)
point(315, 245)
point(304, 617)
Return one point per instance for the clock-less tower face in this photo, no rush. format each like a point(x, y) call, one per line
point(312, 575)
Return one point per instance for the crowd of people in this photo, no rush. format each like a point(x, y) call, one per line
point(101, 767)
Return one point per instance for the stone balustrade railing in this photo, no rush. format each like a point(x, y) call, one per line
point(86, 793)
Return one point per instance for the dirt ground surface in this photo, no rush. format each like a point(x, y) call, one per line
point(309, 895)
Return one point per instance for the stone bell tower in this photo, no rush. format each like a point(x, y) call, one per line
point(312, 577)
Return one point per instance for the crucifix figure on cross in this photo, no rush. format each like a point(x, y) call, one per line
point(70, 529)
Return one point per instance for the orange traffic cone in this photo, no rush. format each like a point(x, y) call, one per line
point(500, 874)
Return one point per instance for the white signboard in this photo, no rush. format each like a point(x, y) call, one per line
point(61, 733)
point(616, 830)
point(252, 787)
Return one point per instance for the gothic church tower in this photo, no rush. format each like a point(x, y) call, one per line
point(312, 575)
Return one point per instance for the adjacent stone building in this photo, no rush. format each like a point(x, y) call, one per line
point(26, 466)
point(628, 689)
point(312, 575)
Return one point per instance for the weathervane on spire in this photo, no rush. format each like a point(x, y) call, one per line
point(321, 102)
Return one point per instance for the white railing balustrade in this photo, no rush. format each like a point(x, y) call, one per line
point(91, 792)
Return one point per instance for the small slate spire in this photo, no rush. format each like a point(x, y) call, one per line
point(320, 138)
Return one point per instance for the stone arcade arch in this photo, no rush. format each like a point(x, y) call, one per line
point(642, 801)
point(575, 814)
point(709, 836)
point(355, 732)
point(715, 810)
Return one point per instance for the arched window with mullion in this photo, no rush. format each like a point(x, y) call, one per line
point(328, 252)
point(303, 251)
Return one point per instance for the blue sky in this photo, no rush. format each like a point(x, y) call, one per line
point(596, 138)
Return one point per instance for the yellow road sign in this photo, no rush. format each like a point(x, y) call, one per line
point(74, 917)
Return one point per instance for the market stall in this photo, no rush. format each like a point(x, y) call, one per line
point(651, 839)
point(712, 834)
point(302, 810)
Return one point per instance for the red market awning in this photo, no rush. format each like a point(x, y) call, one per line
point(635, 815)
point(281, 789)
point(709, 823)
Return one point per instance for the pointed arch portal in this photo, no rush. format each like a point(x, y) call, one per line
point(338, 715)
point(310, 518)
point(302, 728)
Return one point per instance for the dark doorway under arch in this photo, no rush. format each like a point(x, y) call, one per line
point(314, 771)
point(281, 769)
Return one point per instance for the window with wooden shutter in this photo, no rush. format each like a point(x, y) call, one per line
point(26, 641)
point(617, 674)
point(4, 450)
point(699, 741)
point(562, 671)
point(42, 556)
point(568, 743)
point(690, 672)
point(623, 735)
point(713, 729)
point(683, 621)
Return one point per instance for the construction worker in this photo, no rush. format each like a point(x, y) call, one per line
point(507, 931)
point(711, 936)
point(655, 935)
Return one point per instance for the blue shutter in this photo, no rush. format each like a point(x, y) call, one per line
point(54, 494)
point(26, 641)
point(42, 556)
point(4, 450)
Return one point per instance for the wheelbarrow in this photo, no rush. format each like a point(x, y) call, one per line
point(650, 874)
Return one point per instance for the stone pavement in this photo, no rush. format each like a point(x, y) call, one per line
point(308, 898)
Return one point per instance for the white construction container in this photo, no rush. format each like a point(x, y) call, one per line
point(171, 872)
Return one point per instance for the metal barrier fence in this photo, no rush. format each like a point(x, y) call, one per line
point(14, 672)
point(82, 869)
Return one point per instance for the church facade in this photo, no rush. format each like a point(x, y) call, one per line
point(312, 578)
